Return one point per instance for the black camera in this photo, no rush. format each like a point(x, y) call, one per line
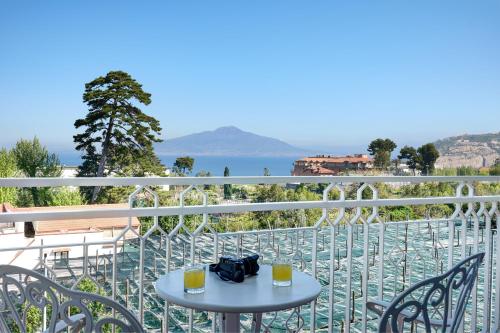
point(234, 269)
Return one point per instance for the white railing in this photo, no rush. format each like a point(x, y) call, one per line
point(350, 248)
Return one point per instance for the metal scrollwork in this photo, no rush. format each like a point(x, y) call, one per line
point(436, 296)
point(23, 289)
point(296, 319)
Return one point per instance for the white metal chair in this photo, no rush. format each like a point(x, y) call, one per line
point(430, 303)
point(22, 289)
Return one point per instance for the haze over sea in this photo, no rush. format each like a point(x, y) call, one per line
point(238, 165)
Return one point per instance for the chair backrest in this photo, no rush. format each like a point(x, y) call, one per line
point(23, 289)
point(433, 294)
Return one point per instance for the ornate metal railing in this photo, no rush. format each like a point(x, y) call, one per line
point(351, 248)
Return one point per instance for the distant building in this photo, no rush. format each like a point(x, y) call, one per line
point(14, 235)
point(69, 171)
point(72, 172)
point(326, 165)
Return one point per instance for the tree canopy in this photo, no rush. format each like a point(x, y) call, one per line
point(422, 159)
point(410, 155)
point(34, 160)
point(228, 188)
point(8, 168)
point(184, 165)
point(427, 155)
point(117, 136)
point(381, 149)
point(495, 169)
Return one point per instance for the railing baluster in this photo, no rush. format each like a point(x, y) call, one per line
point(314, 254)
point(347, 314)
point(114, 279)
point(497, 277)
point(475, 247)
point(142, 243)
point(331, 295)
point(487, 270)
point(364, 277)
point(168, 254)
point(215, 259)
point(381, 240)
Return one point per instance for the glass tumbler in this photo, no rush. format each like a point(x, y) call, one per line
point(194, 279)
point(282, 272)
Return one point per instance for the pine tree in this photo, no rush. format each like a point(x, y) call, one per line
point(381, 149)
point(427, 157)
point(183, 165)
point(117, 136)
point(410, 155)
point(228, 188)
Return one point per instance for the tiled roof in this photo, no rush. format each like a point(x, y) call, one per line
point(78, 224)
point(321, 171)
point(337, 159)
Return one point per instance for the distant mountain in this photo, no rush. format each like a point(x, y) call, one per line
point(228, 141)
point(476, 150)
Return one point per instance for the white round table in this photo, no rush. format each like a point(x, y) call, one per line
point(255, 295)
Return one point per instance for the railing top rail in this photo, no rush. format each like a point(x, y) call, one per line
point(158, 181)
point(234, 208)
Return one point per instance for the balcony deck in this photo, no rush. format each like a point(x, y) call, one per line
point(352, 249)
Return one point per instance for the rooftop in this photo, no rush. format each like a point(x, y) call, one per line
point(74, 224)
point(358, 158)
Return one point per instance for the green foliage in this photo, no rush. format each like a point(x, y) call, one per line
point(422, 158)
point(111, 195)
point(8, 168)
point(241, 192)
point(427, 157)
point(410, 155)
point(117, 136)
point(97, 309)
point(445, 172)
point(495, 169)
point(467, 171)
point(228, 188)
point(183, 165)
point(381, 149)
point(281, 219)
point(460, 171)
point(33, 160)
point(33, 319)
point(398, 213)
point(203, 173)
point(65, 197)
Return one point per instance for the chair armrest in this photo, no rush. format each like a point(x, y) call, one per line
point(379, 306)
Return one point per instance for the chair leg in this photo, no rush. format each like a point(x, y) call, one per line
point(400, 324)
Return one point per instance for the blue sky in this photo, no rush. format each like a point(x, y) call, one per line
point(313, 73)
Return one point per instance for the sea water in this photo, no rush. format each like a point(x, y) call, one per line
point(238, 165)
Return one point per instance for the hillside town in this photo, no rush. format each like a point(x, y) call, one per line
point(328, 165)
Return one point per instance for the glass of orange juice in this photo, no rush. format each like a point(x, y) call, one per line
point(282, 272)
point(194, 279)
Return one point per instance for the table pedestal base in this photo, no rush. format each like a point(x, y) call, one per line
point(230, 322)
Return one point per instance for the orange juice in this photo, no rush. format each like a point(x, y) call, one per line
point(282, 274)
point(194, 280)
